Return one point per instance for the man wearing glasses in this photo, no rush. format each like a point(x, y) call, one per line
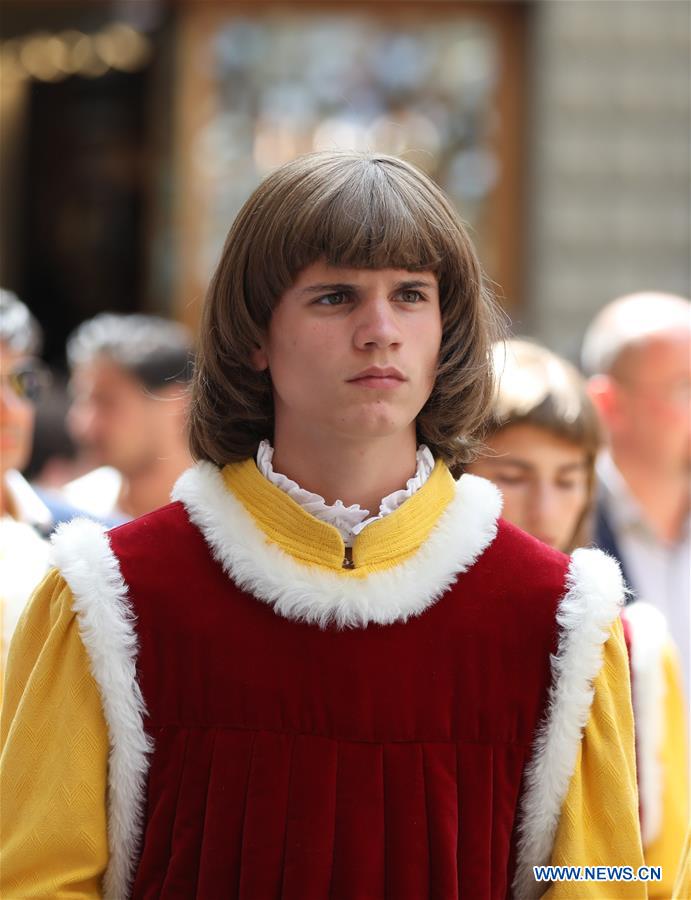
point(26, 518)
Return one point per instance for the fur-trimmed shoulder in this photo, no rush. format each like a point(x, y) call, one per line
point(172, 515)
point(464, 530)
point(82, 553)
point(649, 638)
point(593, 599)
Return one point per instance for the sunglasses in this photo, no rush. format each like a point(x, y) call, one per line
point(28, 380)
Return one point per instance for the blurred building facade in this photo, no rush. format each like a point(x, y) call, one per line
point(132, 132)
point(609, 209)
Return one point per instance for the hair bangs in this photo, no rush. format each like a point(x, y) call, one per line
point(537, 387)
point(366, 221)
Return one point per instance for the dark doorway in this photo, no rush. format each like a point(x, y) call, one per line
point(85, 198)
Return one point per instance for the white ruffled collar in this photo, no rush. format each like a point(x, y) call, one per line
point(348, 520)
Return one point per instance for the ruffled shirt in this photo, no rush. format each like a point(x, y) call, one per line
point(348, 520)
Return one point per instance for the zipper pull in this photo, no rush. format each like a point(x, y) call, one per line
point(348, 559)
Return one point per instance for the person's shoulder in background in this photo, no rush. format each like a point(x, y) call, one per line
point(96, 493)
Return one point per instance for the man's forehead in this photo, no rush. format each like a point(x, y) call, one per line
point(102, 369)
point(324, 271)
point(10, 357)
point(656, 353)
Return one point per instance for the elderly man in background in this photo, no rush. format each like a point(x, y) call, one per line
point(129, 412)
point(637, 351)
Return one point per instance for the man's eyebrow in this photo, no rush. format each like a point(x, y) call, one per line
point(509, 461)
point(414, 283)
point(331, 288)
point(342, 286)
point(527, 467)
point(568, 467)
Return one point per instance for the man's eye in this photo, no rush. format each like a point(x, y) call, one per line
point(332, 299)
point(508, 479)
point(568, 485)
point(411, 296)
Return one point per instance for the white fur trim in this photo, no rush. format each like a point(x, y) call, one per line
point(649, 637)
point(83, 554)
point(463, 532)
point(592, 601)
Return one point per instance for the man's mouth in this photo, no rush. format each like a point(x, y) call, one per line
point(379, 377)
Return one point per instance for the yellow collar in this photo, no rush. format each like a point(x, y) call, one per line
point(381, 545)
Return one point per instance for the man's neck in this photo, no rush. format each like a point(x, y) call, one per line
point(149, 487)
point(662, 493)
point(6, 504)
point(361, 472)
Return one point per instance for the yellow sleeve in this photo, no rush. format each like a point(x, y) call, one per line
point(54, 757)
point(682, 886)
point(666, 849)
point(599, 818)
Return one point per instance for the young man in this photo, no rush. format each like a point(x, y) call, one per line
point(327, 669)
point(130, 376)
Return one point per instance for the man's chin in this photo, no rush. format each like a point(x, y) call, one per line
point(379, 426)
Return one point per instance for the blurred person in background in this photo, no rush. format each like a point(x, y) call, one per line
point(637, 352)
point(27, 516)
point(129, 383)
point(543, 442)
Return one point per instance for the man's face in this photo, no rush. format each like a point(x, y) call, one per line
point(544, 480)
point(113, 417)
point(16, 414)
point(652, 410)
point(352, 353)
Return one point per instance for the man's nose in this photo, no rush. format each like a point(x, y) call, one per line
point(80, 422)
point(376, 324)
point(544, 504)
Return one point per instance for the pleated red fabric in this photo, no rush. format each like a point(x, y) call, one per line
point(296, 763)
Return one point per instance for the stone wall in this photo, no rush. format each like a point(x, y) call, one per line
point(609, 208)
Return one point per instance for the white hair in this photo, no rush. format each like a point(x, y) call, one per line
point(629, 321)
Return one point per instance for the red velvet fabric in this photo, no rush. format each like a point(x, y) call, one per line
point(292, 762)
point(628, 639)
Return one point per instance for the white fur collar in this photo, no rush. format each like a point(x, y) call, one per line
point(82, 552)
point(595, 593)
point(297, 591)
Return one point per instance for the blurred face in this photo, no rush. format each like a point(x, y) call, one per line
point(117, 421)
point(352, 352)
point(650, 410)
point(16, 414)
point(544, 480)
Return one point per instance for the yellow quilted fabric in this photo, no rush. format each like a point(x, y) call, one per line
point(599, 820)
point(54, 757)
point(382, 545)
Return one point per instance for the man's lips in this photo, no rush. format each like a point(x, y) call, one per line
point(379, 377)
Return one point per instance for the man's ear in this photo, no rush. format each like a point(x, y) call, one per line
point(259, 358)
point(603, 392)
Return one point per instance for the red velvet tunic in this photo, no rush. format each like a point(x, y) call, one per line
point(294, 762)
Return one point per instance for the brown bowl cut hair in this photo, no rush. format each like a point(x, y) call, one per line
point(536, 387)
point(364, 211)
